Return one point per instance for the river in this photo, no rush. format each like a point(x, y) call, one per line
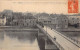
point(18, 41)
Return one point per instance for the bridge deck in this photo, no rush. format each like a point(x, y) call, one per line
point(64, 41)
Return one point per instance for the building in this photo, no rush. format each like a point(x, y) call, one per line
point(30, 22)
point(60, 21)
point(73, 20)
point(2, 21)
point(24, 21)
point(45, 21)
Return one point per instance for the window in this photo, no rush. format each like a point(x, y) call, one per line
point(58, 25)
point(27, 24)
point(72, 18)
point(65, 20)
point(73, 21)
point(50, 21)
point(44, 21)
point(77, 18)
point(30, 21)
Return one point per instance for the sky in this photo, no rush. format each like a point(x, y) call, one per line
point(48, 6)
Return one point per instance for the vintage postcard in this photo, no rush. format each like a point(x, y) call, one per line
point(39, 24)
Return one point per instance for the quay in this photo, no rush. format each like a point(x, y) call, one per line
point(18, 29)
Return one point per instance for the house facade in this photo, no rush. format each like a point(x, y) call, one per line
point(45, 21)
point(60, 21)
point(27, 22)
point(73, 20)
point(2, 21)
point(30, 22)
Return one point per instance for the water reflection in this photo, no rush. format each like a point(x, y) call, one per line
point(1, 36)
point(18, 41)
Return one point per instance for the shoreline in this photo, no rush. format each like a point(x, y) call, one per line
point(17, 28)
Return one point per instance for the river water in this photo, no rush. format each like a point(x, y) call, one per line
point(18, 41)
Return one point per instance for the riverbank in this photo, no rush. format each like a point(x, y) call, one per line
point(17, 28)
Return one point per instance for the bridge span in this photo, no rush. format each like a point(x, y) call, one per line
point(60, 40)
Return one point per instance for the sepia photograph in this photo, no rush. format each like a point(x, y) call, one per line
point(39, 24)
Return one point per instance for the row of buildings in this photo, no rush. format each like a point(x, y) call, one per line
point(28, 22)
point(62, 21)
point(18, 19)
point(22, 21)
point(10, 18)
